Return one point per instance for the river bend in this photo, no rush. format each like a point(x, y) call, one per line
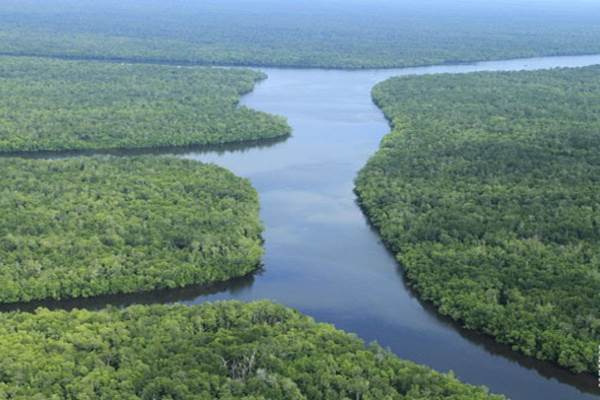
point(323, 258)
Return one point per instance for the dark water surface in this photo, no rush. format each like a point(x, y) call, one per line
point(323, 258)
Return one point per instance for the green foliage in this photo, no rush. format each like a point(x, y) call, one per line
point(488, 191)
point(225, 350)
point(64, 105)
point(88, 226)
point(348, 34)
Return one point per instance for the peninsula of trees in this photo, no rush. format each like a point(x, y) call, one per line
point(88, 226)
point(225, 350)
point(67, 105)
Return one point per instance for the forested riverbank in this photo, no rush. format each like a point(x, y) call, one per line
point(104, 232)
point(88, 226)
point(225, 350)
point(51, 105)
point(487, 191)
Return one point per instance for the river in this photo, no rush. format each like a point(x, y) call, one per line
point(323, 258)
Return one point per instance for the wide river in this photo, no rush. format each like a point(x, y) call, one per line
point(323, 258)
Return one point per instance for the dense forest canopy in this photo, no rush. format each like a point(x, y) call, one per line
point(88, 226)
point(64, 105)
point(332, 33)
point(488, 190)
point(226, 350)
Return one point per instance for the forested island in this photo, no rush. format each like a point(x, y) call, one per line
point(487, 190)
point(68, 105)
point(287, 33)
point(224, 350)
point(82, 227)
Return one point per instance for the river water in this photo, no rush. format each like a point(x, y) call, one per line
point(323, 258)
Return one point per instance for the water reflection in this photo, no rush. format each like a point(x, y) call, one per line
point(234, 287)
point(218, 149)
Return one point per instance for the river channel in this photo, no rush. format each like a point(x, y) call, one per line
point(323, 258)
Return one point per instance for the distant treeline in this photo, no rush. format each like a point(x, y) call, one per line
point(88, 226)
point(488, 191)
point(348, 34)
point(225, 350)
point(65, 105)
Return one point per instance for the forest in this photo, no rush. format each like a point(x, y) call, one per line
point(223, 350)
point(333, 33)
point(81, 227)
point(487, 190)
point(67, 105)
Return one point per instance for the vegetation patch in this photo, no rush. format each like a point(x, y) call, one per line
point(68, 105)
point(89, 226)
point(488, 190)
point(338, 34)
point(225, 350)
